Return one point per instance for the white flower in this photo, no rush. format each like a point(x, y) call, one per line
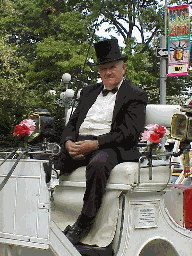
point(30, 124)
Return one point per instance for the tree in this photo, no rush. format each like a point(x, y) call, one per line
point(50, 40)
point(12, 89)
point(147, 17)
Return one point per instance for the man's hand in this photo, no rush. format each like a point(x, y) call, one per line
point(78, 150)
point(73, 150)
point(86, 146)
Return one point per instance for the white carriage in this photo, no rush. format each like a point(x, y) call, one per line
point(138, 215)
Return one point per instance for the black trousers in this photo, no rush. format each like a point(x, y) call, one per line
point(98, 168)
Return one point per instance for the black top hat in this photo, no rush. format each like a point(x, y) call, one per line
point(108, 51)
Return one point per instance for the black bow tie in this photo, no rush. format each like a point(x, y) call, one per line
point(105, 91)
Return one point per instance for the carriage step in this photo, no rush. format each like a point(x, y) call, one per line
point(59, 243)
point(88, 250)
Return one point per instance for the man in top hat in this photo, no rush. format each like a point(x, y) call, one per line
point(103, 131)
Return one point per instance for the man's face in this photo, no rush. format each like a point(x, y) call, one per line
point(112, 73)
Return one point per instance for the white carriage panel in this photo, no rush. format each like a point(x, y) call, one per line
point(25, 216)
point(7, 250)
point(44, 207)
point(43, 223)
point(44, 196)
point(28, 167)
point(173, 200)
point(7, 206)
point(27, 206)
point(6, 167)
point(104, 229)
point(25, 167)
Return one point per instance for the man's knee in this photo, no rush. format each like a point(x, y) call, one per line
point(101, 164)
point(97, 169)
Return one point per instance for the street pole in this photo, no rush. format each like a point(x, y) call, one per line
point(163, 73)
point(163, 66)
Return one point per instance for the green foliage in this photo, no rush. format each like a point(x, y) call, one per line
point(40, 40)
point(12, 89)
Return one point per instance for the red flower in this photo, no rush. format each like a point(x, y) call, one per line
point(154, 137)
point(160, 130)
point(21, 130)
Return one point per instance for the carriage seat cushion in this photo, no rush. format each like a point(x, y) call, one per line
point(123, 173)
point(126, 173)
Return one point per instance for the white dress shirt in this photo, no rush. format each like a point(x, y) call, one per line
point(99, 117)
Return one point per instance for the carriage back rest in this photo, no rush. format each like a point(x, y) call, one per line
point(155, 114)
point(161, 114)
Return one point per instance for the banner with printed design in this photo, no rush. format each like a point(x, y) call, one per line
point(178, 40)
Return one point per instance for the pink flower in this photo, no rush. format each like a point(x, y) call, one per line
point(146, 135)
point(153, 133)
point(150, 127)
point(30, 124)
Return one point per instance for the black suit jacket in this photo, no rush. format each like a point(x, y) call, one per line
point(127, 122)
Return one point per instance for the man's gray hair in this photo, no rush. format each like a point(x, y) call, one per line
point(120, 62)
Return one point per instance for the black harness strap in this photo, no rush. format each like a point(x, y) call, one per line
point(11, 171)
point(10, 154)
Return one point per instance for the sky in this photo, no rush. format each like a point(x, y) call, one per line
point(136, 33)
point(101, 32)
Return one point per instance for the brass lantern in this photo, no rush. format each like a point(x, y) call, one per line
point(44, 123)
point(181, 126)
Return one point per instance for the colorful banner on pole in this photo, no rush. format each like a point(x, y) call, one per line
point(178, 40)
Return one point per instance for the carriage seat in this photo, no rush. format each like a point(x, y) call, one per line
point(125, 174)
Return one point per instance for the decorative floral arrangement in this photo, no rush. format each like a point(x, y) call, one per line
point(153, 134)
point(24, 131)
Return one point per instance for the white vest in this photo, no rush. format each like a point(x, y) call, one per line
point(99, 117)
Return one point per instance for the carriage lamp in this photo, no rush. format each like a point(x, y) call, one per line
point(44, 123)
point(181, 129)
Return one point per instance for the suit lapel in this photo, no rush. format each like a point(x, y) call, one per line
point(89, 98)
point(95, 93)
point(123, 95)
point(92, 95)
